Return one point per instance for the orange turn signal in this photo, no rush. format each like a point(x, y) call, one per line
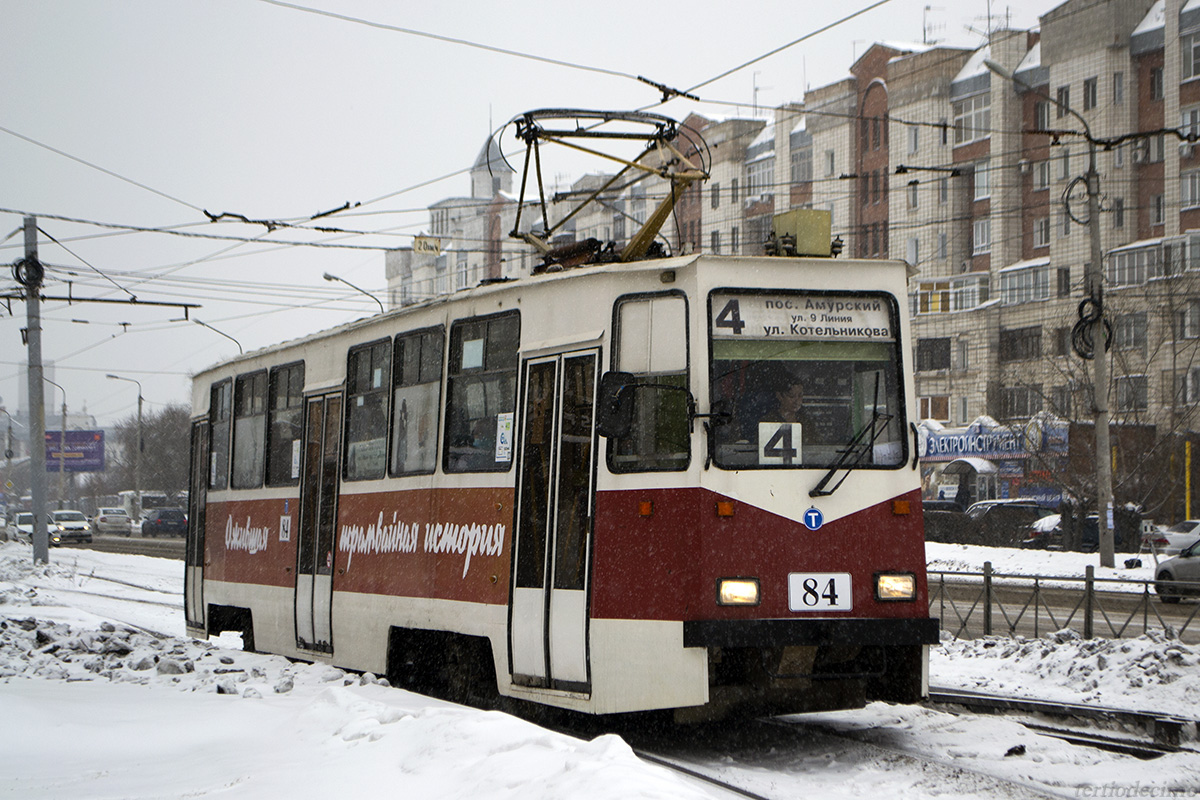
point(901, 507)
point(646, 508)
point(724, 508)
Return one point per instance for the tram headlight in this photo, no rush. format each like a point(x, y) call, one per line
point(737, 592)
point(895, 586)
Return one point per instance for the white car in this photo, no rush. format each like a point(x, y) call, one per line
point(20, 528)
point(1175, 539)
point(112, 520)
point(69, 526)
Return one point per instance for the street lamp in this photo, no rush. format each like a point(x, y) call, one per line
point(62, 443)
point(137, 451)
point(331, 277)
point(1093, 286)
point(222, 333)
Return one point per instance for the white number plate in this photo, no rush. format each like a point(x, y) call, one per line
point(819, 591)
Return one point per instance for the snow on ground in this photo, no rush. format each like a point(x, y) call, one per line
point(941, 557)
point(103, 695)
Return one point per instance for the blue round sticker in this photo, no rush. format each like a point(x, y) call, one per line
point(813, 518)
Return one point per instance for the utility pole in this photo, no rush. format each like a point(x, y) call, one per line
point(28, 273)
point(1093, 279)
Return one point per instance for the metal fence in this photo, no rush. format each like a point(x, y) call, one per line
point(989, 603)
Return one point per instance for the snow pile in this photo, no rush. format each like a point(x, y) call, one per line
point(1149, 673)
point(942, 557)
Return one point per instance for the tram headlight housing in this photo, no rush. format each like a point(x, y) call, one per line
point(895, 586)
point(737, 592)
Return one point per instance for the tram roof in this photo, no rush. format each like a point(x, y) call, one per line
point(506, 286)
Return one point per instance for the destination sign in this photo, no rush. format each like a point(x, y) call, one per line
point(801, 317)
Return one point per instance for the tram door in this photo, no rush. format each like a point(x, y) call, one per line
point(318, 519)
point(193, 576)
point(549, 611)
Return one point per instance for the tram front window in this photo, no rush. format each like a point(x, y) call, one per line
point(805, 379)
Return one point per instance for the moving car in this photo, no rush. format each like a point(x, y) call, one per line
point(1175, 539)
point(1179, 576)
point(112, 520)
point(69, 526)
point(164, 520)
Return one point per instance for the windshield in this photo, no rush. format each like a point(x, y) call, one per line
point(24, 519)
point(69, 516)
point(805, 379)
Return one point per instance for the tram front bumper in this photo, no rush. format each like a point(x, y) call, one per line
point(809, 632)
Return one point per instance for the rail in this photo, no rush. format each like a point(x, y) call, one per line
point(991, 603)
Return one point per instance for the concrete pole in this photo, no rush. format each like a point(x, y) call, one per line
point(31, 279)
point(1093, 279)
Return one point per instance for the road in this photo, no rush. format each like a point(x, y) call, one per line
point(160, 547)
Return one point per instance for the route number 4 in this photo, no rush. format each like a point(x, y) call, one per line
point(778, 442)
point(730, 317)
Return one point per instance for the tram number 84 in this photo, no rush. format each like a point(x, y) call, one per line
point(819, 591)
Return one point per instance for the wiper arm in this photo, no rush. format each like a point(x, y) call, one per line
point(855, 444)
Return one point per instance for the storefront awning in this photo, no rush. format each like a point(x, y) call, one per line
point(965, 466)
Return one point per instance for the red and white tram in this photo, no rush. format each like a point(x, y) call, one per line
point(597, 489)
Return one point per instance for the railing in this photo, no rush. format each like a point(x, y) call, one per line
point(990, 603)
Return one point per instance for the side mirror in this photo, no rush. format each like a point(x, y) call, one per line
point(614, 404)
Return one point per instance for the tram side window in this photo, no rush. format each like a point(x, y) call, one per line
point(416, 392)
point(367, 381)
point(249, 429)
point(285, 407)
point(481, 393)
point(220, 401)
point(651, 343)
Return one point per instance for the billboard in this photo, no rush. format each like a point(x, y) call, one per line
point(84, 451)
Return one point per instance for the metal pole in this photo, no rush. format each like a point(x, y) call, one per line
point(1093, 277)
point(30, 276)
point(62, 441)
point(137, 465)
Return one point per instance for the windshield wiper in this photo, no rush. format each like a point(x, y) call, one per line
point(857, 448)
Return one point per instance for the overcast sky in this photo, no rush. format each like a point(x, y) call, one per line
point(147, 114)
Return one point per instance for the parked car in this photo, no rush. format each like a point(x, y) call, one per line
point(1047, 534)
point(112, 520)
point(1175, 539)
point(164, 520)
point(1179, 576)
point(20, 528)
point(70, 526)
point(1002, 523)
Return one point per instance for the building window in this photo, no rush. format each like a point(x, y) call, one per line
point(1157, 211)
point(912, 194)
point(1189, 51)
point(1135, 266)
point(1020, 402)
point(964, 354)
point(1041, 175)
point(1060, 400)
point(982, 242)
point(1064, 101)
point(1129, 331)
point(1064, 224)
point(1132, 393)
point(1041, 232)
point(972, 118)
point(962, 411)
point(983, 181)
point(714, 242)
point(933, 354)
point(1019, 286)
point(733, 191)
point(913, 250)
point(914, 139)
point(1041, 113)
point(1118, 156)
point(933, 297)
point(733, 240)
point(368, 383)
point(802, 165)
point(943, 190)
point(1064, 281)
point(936, 408)
point(1157, 148)
point(1156, 83)
point(1189, 320)
point(1064, 164)
point(1118, 88)
point(830, 169)
point(1020, 344)
point(1062, 341)
point(1189, 188)
point(1118, 212)
point(1091, 94)
point(943, 241)
point(968, 291)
